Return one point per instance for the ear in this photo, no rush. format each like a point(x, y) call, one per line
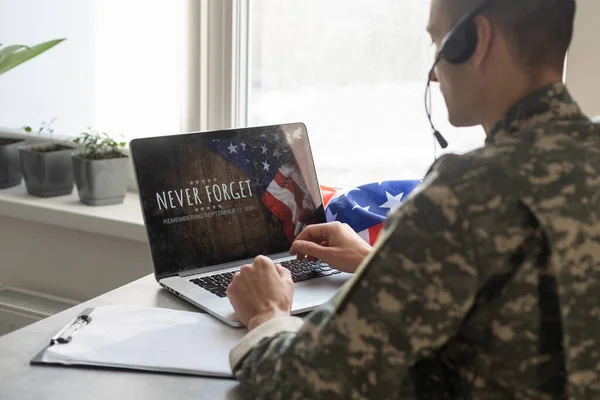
point(485, 35)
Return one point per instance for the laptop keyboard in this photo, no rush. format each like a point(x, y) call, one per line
point(300, 270)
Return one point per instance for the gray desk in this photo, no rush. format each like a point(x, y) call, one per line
point(20, 380)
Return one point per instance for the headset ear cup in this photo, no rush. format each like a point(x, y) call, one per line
point(462, 44)
point(471, 40)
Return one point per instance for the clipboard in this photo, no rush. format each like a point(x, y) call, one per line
point(145, 339)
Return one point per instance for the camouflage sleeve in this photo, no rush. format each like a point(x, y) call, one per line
point(404, 302)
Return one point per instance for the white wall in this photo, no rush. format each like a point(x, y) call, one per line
point(583, 64)
point(59, 83)
point(120, 69)
point(67, 263)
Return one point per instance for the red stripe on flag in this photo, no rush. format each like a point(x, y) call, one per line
point(286, 198)
point(289, 183)
point(374, 232)
point(327, 194)
point(282, 212)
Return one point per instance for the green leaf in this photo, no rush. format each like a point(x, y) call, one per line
point(5, 52)
point(12, 56)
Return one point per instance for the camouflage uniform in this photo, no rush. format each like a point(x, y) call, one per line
point(483, 285)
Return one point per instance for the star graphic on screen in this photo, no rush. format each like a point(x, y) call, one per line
point(220, 206)
point(191, 183)
point(197, 182)
point(264, 149)
point(243, 145)
point(201, 208)
point(392, 202)
point(196, 210)
point(356, 205)
point(276, 153)
point(214, 207)
point(232, 148)
point(266, 166)
point(203, 180)
point(214, 179)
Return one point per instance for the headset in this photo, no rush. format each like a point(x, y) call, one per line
point(458, 47)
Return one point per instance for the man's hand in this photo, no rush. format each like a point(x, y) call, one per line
point(260, 292)
point(334, 243)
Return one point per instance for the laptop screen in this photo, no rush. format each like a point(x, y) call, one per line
point(218, 197)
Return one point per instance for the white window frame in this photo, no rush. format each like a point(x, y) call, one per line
point(218, 63)
point(580, 73)
point(215, 90)
point(217, 42)
point(226, 38)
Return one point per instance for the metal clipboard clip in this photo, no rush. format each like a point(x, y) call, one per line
point(71, 329)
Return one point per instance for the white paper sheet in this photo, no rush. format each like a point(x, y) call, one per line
point(153, 339)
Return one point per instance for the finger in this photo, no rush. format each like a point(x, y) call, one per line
point(262, 261)
point(231, 291)
point(315, 233)
point(264, 266)
point(310, 249)
point(294, 250)
point(244, 269)
point(283, 272)
point(234, 284)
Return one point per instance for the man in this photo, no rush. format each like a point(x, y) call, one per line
point(485, 283)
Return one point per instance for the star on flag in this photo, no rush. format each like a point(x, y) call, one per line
point(392, 202)
point(365, 208)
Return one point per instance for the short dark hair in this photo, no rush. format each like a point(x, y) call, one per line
point(539, 31)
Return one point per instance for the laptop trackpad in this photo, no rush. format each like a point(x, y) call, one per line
point(310, 294)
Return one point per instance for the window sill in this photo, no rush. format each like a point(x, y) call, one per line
point(122, 220)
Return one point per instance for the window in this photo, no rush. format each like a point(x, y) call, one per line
point(355, 72)
point(121, 68)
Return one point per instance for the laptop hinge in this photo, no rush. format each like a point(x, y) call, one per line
point(229, 265)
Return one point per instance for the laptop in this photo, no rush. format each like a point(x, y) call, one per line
point(212, 201)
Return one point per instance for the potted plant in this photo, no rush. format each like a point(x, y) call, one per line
point(47, 167)
point(10, 165)
point(101, 169)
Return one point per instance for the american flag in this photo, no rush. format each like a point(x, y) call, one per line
point(268, 162)
point(366, 207)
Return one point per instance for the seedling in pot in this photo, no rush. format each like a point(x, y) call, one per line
point(46, 129)
point(99, 146)
point(101, 169)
